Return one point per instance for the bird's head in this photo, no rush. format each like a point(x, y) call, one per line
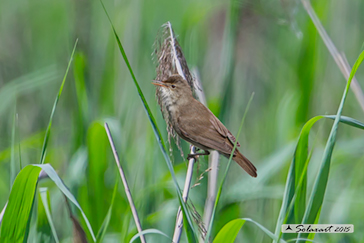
point(175, 87)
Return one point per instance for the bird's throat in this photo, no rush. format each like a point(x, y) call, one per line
point(169, 102)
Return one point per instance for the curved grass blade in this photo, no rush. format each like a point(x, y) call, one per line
point(230, 230)
point(294, 180)
point(149, 231)
point(226, 171)
point(153, 123)
point(44, 195)
point(46, 137)
point(15, 224)
point(300, 158)
point(319, 188)
point(59, 182)
point(16, 220)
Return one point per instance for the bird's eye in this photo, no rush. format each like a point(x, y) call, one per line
point(173, 86)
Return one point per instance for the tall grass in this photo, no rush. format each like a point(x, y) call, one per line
point(293, 79)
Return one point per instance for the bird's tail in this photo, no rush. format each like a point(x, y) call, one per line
point(245, 163)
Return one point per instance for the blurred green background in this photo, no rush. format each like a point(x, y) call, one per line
point(270, 48)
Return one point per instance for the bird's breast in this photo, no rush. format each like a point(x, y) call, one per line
point(169, 103)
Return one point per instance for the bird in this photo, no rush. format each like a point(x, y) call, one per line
point(196, 124)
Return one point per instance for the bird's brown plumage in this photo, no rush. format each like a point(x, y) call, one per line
point(196, 124)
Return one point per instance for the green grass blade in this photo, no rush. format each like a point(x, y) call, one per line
point(43, 228)
point(13, 167)
point(149, 231)
point(44, 195)
point(319, 188)
point(294, 180)
point(300, 156)
point(189, 232)
point(46, 137)
point(15, 224)
point(226, 171)
point(61, 186)
point(348, 121)
point(102, 231)
point(152, 122)
point(265, 230)
point(230, 230)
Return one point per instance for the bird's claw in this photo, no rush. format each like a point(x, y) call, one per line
point(192, 156)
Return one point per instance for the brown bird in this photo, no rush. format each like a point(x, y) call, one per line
point(196, 124)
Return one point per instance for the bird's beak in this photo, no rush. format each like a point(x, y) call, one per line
point(159, 83)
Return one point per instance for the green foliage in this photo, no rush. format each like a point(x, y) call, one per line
point(186, 213)
point(270, 48)
point(46, 137)
point(102, 231)
point(15, 225)
point(297, 177)
point(318, 192)
point(229, 232)
point(295, 192)
point(45, 225)
point(226, 171)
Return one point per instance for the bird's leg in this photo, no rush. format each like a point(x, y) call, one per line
point(190, 156)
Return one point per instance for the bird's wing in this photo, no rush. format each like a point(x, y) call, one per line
point(210, 133)
point(222, 129)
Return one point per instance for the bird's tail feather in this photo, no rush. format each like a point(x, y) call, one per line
point(245, 163)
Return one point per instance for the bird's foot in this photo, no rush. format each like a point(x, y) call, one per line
point(195, 155)
point(192, 156)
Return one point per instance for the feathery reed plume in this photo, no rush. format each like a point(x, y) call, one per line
point(169, 59)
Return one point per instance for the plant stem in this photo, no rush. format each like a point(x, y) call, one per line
point(339, 59)
point(125, 183)
point(179, 222)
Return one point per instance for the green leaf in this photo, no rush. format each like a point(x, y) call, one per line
point(46, 137)
point(15, 224)
point(229, 232)
point(226, 171)
point(152, 122)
